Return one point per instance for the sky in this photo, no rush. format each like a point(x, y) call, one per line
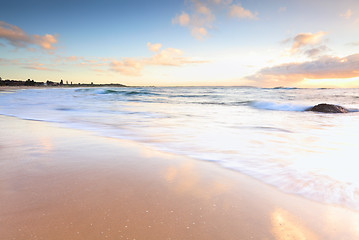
point(291, 43)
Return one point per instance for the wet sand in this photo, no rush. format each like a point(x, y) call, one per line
point(58, 183)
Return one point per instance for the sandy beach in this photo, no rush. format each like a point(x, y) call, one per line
point(58, 183)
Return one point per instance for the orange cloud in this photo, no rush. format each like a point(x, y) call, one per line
point(18, 38)
point(14, 35)
point(200, 19)
point(347, 14)
point(199, 32)
point(306, 39)
point(46, 42)
point(165, 57)
point(6, 62)
point(154, 47)
point(237, 11)
point(202, 14)
point(28, 64)
point(128, 66)
point(170, 57)
point(72, 58)
point(40, 67)
point(96, 64)
point(183, 19)
point(201, 8)
point(324, 68)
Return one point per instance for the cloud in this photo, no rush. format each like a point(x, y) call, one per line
point(41, 68)
point(324, 68)
point(165, 57)
point(37, 64)
point(224, 2)
point(127, 66)
point(347, 14)
point(34, 63)
point(306, 39)
point(307, 44)
point(72, 58)
point(316, 51)
point(202, 8)
point(201, 20)
point(183, 19)
point(199, 32)
point(46, 41)
point(171, 57)
point(353, 44)
point(197, 23)
point(98, 70)
point(282, 9)
point(18, 38)
point(14, 35)
point(202, 14)
point(154, 47)
point(6, 62)
point(237, 11)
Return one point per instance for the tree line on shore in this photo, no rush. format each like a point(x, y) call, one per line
point(48, 83)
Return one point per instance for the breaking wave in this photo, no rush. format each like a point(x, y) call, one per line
point(278, 106)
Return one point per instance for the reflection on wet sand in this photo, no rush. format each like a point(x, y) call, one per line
point(46, 145)
point(100, 188)
point(185, 178)
point(288, 227)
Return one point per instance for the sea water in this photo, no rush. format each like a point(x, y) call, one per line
point(263, 133)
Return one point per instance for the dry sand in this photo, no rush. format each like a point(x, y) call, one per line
point(58, 183)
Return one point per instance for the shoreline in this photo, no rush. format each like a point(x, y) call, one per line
point(63, 86)
point(48, 83)
point(59, 183)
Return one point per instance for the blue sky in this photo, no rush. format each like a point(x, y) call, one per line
point(188, 42)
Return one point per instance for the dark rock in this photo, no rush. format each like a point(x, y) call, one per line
point(327, 108)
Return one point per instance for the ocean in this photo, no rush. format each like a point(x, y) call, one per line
point(260, 132)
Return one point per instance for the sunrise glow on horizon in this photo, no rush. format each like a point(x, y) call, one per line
point(182, 43)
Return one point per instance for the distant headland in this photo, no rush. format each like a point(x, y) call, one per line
point(48, 83)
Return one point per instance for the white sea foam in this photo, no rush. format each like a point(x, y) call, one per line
point(263, 133)
point(278, 106)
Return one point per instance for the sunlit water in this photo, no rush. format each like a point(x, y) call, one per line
point(263, 133)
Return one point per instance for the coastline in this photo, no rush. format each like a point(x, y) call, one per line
point(63, 86)
point(59, 183)
point(48, 83)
